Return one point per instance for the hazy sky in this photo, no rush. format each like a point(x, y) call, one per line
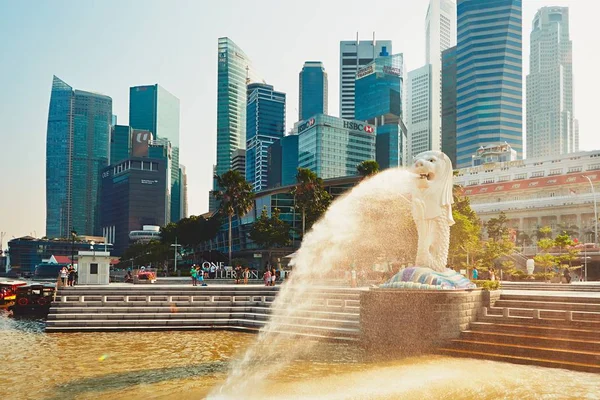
point(107, 46)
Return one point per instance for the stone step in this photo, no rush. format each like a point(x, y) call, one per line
point(153, 309)
point(587, 299)
point(544, 353)
point(559, 323)
point(572, 333)
point(249, 314)
point(547, 314)
point(576, 366)
point(548, 305)
point(578, 344)
point(579, 287)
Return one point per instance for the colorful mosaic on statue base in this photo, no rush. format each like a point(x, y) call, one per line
point(428, 279)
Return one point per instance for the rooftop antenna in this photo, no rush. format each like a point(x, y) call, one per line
point(247, 75)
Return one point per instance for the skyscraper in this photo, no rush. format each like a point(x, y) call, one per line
point(313, 90)
point(424, 84)
point(440, 34)
point(419, 117)
point(265, 124)
point(449, 103)
point(120, 143)
point(550, 121)
point(234, 73)
point(355, 54)
point(77, 148)
point(378, 91)
point(154, 109)
point(184, 188)
point(283, 162)
point(488, 76)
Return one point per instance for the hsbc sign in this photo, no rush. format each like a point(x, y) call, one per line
point(355, 126)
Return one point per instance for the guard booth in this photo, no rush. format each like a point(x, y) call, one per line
point(93, 268)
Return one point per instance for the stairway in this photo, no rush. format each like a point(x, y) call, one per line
point(247, 308)
point(554, 287)
point(551, 330)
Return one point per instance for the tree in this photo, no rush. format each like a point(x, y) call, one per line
point(497, 227)
point(568, 252)
point(191, 231)
point(310, 197)
point(544, 232)
point(465, 233)
point(494, 249)
point(523, 239)
point(367, 168)
point(235, 196)
point(545, 259)
point(269, 232)
point(569, 229)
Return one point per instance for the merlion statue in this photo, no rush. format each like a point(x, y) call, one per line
point(432, 200)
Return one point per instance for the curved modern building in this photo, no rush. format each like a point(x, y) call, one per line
point(77, 149)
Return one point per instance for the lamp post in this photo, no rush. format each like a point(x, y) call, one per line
point(175, 246)
point(73, 235)
point(595, 218)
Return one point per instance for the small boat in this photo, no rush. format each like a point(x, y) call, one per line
point(8, 292)
point(33, 300)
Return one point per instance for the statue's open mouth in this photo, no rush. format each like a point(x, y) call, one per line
point(428, 176)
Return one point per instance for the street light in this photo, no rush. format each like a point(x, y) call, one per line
point(175, 245)
point(73, 235)
point(595, 217)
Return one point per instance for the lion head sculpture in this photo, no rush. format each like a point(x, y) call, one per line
point(434, 169)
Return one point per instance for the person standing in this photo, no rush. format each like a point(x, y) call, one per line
point(64, 273)
point(267, 277)
point(246, 275)
point(475, 274)
point(273, 276)
point(194, 275)
point(71, 276)
point(213, 271)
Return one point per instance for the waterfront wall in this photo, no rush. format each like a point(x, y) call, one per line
point(397, 322)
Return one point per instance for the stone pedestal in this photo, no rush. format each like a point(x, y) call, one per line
point(398, 322)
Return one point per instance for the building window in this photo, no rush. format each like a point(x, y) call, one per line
point(520, 176)
point(537, 174)
point(504, 178)
point(574, 169)
point(593, 167)
point(556, 171)
point(94, 269)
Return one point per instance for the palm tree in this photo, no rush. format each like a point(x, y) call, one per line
point(309, 195)
point(367, 168)
point(235, 196)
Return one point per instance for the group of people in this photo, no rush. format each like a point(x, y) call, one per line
point(241, 274)
point(270, 276)
point(197, 274)
point(68, 276)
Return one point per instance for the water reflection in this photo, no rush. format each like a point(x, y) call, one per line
point(188, 365)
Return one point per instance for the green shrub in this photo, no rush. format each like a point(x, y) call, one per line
point(487, 285)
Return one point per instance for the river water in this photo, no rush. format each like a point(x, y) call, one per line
point(190, 365)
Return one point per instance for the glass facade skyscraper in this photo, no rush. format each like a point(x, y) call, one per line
point(332, 147)
point(77, 148)
point(378, 101)
point(449, 103)
point(283, 162)
point(355, 54)
point(120, 143)
point(550, 119)
point(313, 90)
point(265, 124)
point(235, 71)
point(154, 109)
point(489, 75)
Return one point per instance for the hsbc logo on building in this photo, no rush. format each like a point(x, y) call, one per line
point(354, 126)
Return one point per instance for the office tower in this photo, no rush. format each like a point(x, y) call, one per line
point(440, 34)
point(449, 103)
point(419, 118)
point(313, 90)
point(154, 109)
point(133, 195)
point(332, 147)
point(488, 76)
point(238, 161)
point(184, 191)
point(160, 149)
point(355, 54)
point(265, 123)
point(550, 121)
point(120, 143)
point(283, 162)
point(77, 148)
point(378, 91)
point(234, 73)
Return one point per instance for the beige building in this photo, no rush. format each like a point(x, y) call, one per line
point(550, 191)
